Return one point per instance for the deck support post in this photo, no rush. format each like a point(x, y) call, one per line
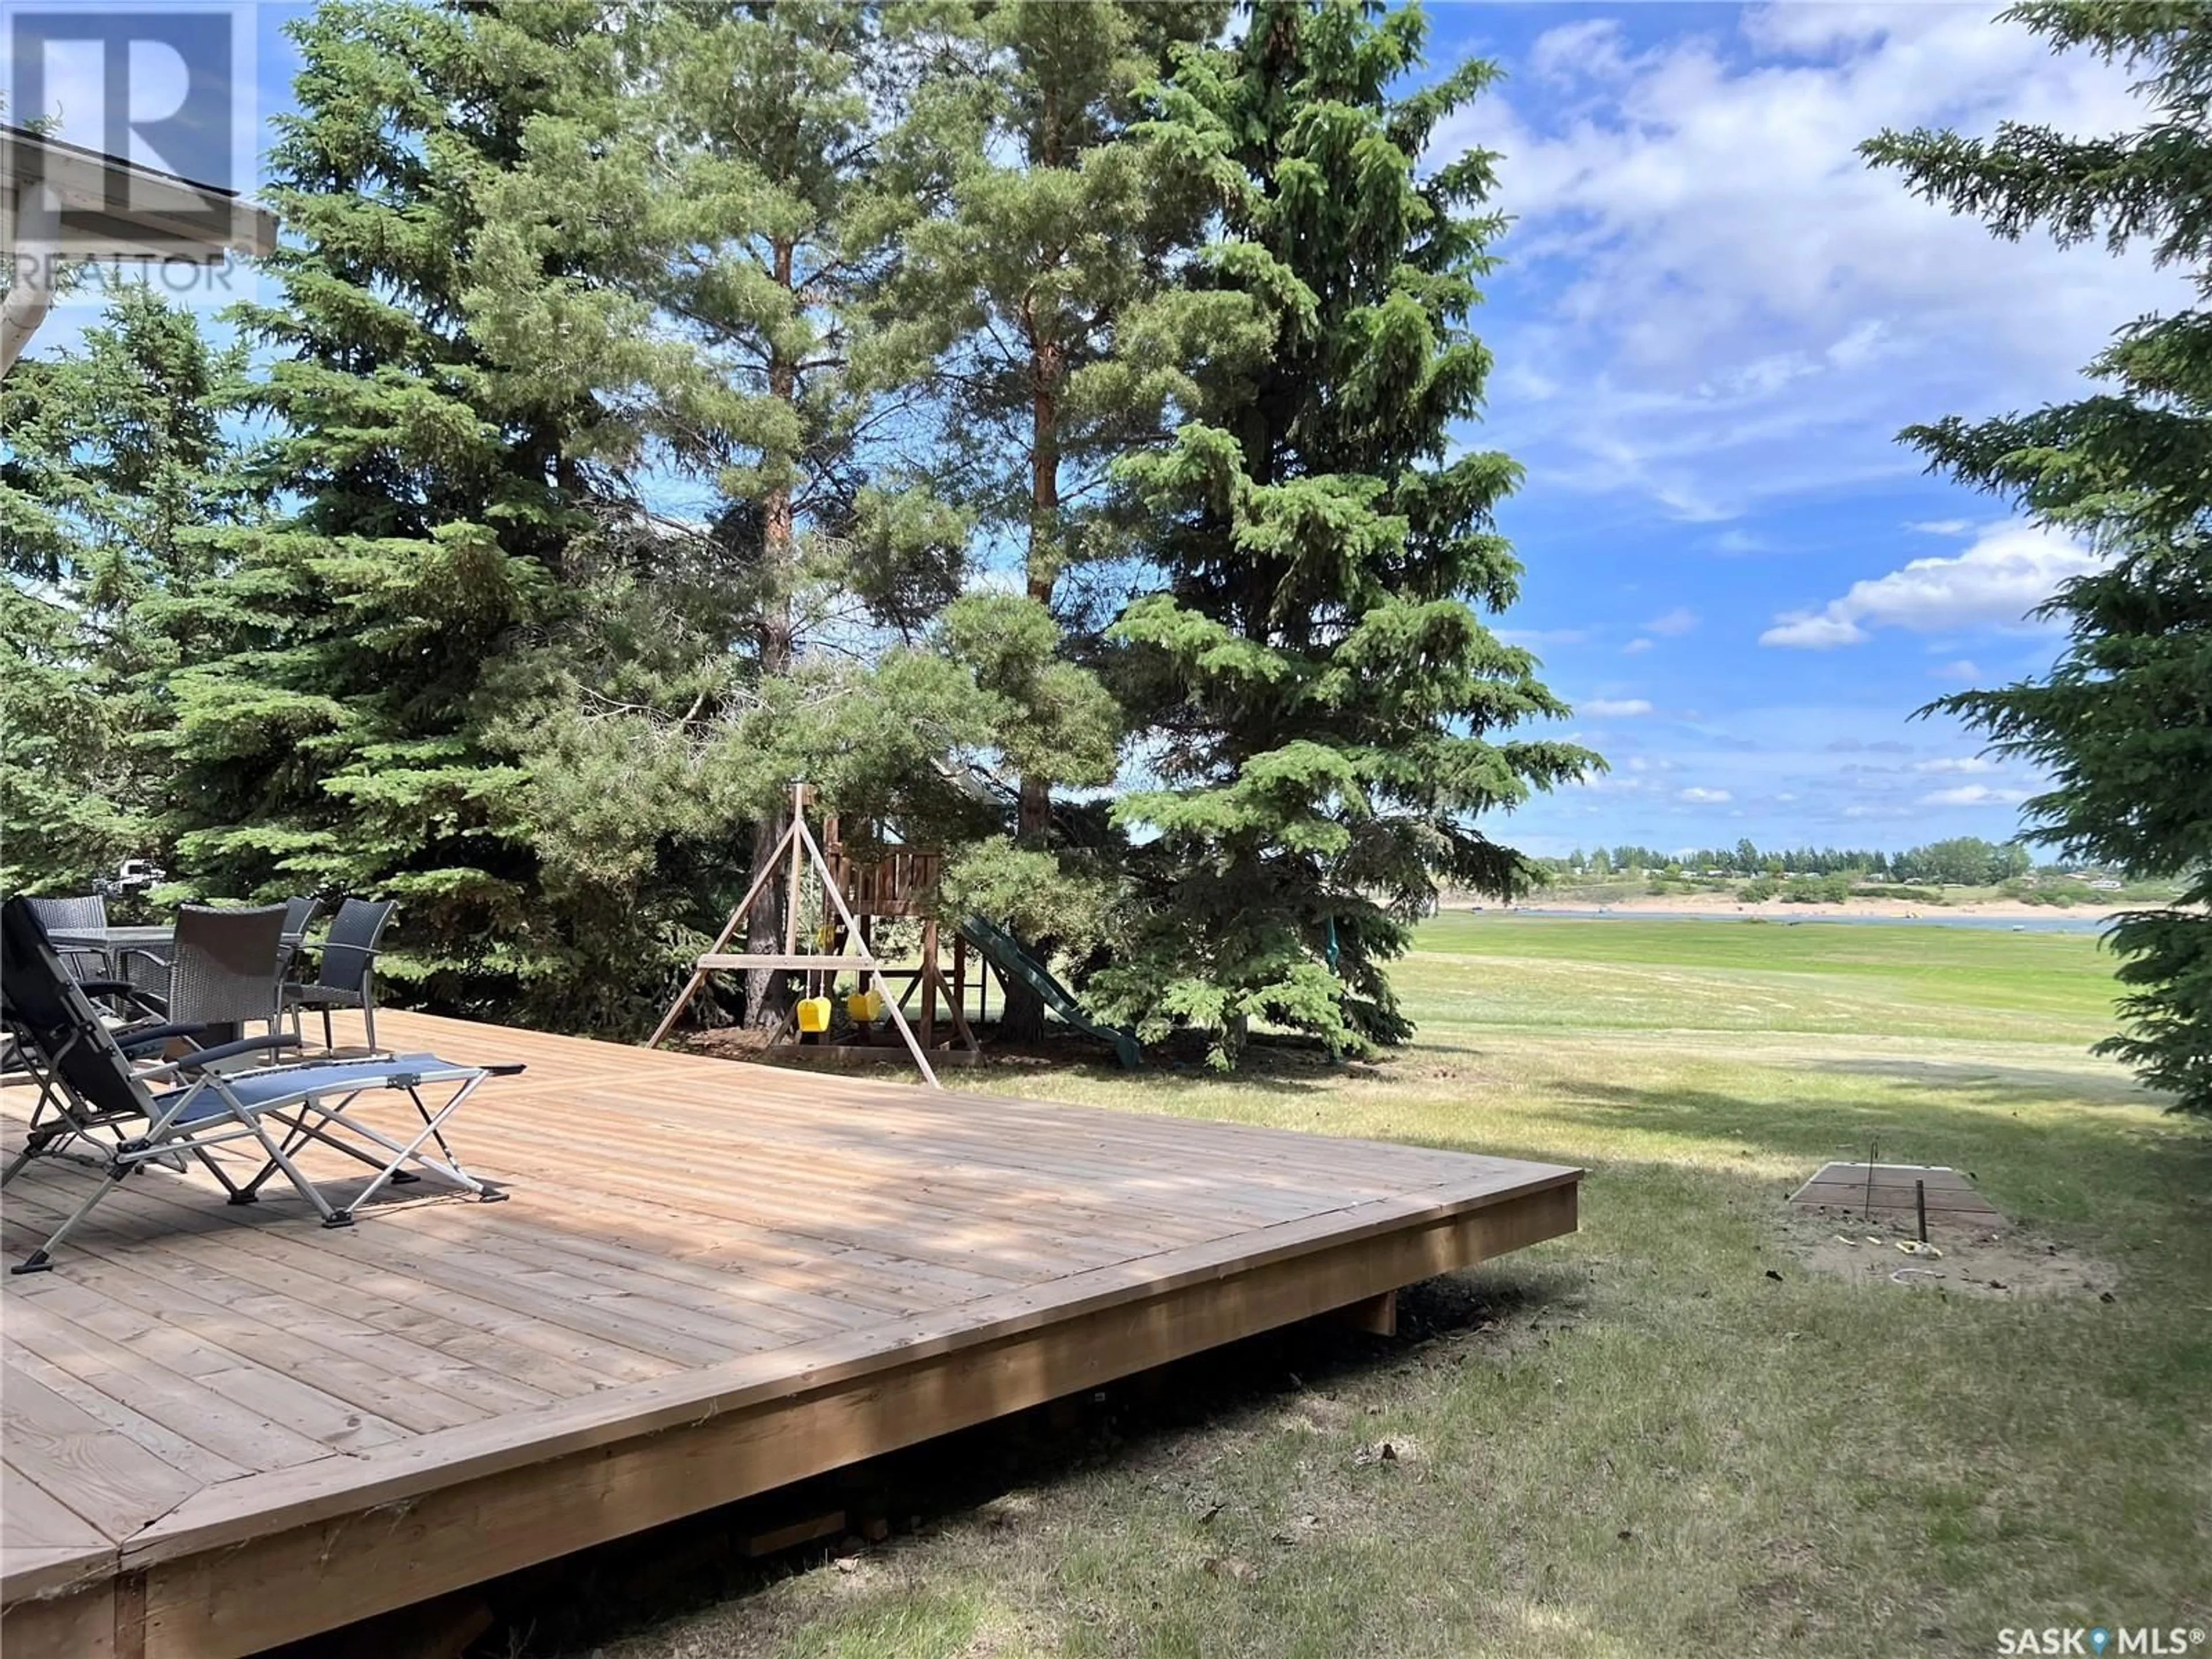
point(1376, 1316)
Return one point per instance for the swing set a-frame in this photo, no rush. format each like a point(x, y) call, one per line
point(851, 951)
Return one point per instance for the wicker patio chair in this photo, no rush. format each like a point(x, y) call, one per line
point(347, 974)
point(299, 915)
point(90, 911)
point(225, 967)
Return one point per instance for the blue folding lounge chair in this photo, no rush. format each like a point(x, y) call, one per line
point(90, 1092)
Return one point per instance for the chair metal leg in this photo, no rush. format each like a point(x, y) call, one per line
point(411, 1151)
point(282, 1159)
point(41, 1259)
point(52, 1123)
point(34, 1145)
point(298, 1132)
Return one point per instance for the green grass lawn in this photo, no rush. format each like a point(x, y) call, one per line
point(1637, 1441)
point(1491, 970)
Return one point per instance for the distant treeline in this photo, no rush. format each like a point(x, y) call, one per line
point(1960, 861)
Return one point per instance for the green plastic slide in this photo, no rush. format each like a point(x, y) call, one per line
point(1005, 952)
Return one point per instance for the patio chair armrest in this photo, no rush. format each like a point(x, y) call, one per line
point(153, 1001)
point(132, 1037)
point(502, 1068)
point(153, 1006)
point(201, 1059)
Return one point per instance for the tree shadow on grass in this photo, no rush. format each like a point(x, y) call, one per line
point(1996, 1077)
point(2044, 1165)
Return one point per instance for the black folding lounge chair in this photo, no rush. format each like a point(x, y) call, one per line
point(56, 1116)
point(90, 1092)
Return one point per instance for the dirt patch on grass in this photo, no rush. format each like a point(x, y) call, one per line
point(1990, 1261)
point(1059, 1048)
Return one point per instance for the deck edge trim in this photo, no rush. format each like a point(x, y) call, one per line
point(620, 1416)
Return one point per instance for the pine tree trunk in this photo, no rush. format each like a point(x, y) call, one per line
point(1024, 1017)
point(768, 992)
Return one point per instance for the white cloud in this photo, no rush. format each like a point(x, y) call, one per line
point(1698, 797)
point(1613, 707)
point(1943, 526)
point(1812, 632)
point(1956, 763)
point(1809, 29)
point(2009, 571)
point(1591, 49)
point(1729, 290)
point(1960, 671)
point(1679, 621)
point(1974, 794)
point(1635, 647)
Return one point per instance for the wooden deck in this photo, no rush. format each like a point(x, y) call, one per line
point(227, 1428)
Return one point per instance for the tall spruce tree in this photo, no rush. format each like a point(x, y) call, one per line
point(1039, 300)
point(117, 467)
point(1320, 698)
point(2123, 724)
point(730, 164)
point(332, 732)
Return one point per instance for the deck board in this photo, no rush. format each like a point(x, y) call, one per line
point(709, 1280)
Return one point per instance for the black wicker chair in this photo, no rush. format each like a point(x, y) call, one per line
point(346, 978)
point(299, 915)
point(225, 968)
point(90, 911)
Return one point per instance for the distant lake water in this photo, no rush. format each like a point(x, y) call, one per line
point(2059, 924)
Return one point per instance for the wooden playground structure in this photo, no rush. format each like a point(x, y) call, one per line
point(836, 895)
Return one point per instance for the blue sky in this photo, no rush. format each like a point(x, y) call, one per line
point(1713, 321)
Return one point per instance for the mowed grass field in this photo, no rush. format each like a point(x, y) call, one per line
point(1667, 1435)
